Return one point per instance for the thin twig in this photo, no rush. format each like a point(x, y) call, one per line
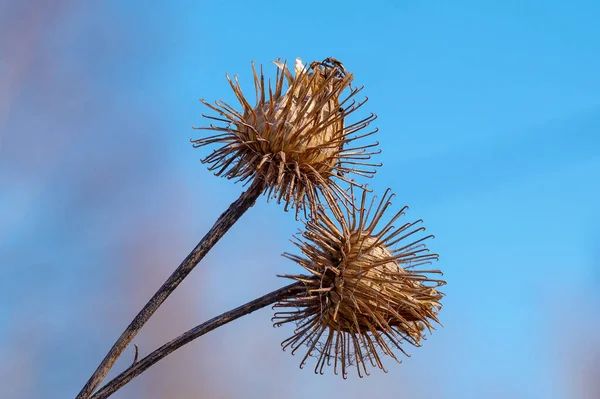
point(137, 352)
point(139, 367)
point(221, 226)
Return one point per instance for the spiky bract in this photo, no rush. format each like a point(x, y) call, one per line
point(365, 292)
point(297, 139)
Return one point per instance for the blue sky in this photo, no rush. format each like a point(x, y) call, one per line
point(489, 118)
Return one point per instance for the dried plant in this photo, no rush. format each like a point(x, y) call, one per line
point(296, 140)
point(365, 294)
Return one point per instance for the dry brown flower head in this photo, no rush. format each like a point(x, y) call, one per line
point(297, 139)
point(365, 292)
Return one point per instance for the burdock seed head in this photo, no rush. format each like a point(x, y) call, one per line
point(365, 292)
point(294, 138)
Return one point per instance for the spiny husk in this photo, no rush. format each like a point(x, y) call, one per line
point(365, 292)
point(296, 140)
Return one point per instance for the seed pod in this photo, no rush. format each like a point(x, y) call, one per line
point(365, 293)
point(297, 139)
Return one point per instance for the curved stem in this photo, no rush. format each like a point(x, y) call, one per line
point(221, 226)
point(139, 367)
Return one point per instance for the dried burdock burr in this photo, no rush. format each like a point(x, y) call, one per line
point(366, 292)
point(295, 138)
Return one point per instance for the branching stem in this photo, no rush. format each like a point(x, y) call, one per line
point(142, 365)
point(221, 226)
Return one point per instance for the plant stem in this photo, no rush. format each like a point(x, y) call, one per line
point(221, 226)
point(139, 367)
